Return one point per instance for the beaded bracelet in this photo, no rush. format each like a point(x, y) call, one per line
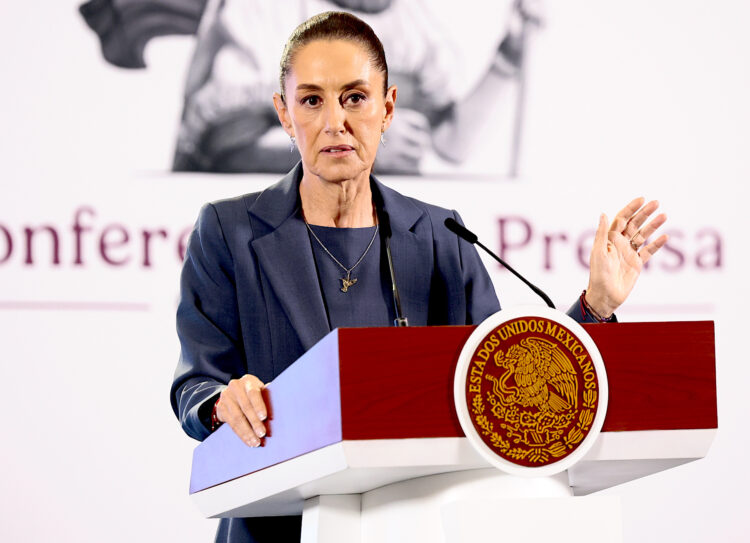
point(215, 422)
point(586, 309)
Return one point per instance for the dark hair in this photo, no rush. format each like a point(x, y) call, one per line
point(333, 25)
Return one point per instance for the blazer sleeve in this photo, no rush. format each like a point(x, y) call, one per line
point(208, 326)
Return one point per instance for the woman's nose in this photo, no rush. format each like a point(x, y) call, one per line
point(335, 117)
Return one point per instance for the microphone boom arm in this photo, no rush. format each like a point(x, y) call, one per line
point(469, 236)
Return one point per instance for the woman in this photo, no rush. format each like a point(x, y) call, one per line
point(266, 275)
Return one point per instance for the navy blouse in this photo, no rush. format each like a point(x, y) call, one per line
point(367, 302)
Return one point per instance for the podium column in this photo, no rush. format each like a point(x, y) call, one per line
point(464, 507)
point(334, 518)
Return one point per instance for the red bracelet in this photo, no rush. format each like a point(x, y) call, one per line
point(594, 315)
point(215, 422)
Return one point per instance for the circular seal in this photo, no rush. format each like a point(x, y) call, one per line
point(530, 390)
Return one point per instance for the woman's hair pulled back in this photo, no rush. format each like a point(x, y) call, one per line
point(333, 25)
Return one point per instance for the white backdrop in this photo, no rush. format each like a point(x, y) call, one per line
point(625, 98)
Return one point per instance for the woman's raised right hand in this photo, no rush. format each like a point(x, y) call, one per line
point(241, 406)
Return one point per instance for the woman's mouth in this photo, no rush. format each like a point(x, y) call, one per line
point(337, 150)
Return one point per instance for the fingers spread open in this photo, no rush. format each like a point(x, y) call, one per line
point(649, 250)
point(635, 222)
point(621, 219)
point(652, 226)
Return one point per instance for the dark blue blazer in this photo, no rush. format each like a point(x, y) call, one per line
point(251, 301)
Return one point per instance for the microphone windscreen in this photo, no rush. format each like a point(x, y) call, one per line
point(461, 231)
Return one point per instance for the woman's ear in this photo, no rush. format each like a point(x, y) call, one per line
point(283, 113)
point(389, 106)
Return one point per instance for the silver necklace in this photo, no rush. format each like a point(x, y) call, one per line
point(347, 281)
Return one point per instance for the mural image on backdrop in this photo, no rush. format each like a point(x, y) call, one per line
point(459, 78)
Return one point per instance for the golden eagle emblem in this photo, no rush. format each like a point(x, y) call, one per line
point(534, 366)
point(531, 391)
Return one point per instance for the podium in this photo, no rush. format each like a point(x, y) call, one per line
point(363, 436)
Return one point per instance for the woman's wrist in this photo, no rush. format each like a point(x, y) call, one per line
point(215, 422)
point(600, 302)
point(599, 311)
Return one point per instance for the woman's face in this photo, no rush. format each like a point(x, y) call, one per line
point(335, 108)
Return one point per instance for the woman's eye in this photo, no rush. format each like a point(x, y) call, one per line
point(355, 99)
point(311, 100)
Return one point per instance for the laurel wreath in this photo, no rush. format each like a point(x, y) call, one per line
point(513, 420)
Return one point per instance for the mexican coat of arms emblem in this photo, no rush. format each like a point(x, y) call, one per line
point(531, 389)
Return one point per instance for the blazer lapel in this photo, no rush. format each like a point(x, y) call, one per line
point(285, 258)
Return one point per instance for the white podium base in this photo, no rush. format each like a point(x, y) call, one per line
point(464, 506)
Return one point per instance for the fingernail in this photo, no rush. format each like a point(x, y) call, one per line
point(263, 416)
point(262, 433)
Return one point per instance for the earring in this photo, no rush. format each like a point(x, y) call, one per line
point(292, 143)
point(382, 139)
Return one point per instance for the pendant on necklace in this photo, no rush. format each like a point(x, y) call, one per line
point(347, 282)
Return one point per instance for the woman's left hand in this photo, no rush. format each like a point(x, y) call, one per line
point(618, 254)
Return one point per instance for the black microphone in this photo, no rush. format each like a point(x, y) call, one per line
point(385, 230)
point(471, 237)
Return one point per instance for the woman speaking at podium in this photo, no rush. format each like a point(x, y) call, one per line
point(268, 274)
